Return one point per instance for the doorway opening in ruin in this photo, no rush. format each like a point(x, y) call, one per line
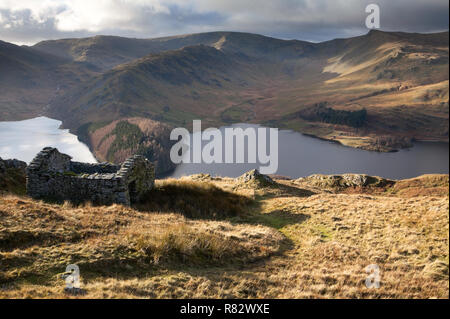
point(132, 191)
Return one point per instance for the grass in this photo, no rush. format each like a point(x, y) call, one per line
point(184, 244)
point(38, 239)
point(12, 181)
point(194, 199)
point(236, 114)
point(431, 185)
point(203, 237)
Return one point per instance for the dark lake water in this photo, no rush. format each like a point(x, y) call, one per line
point(301, 155)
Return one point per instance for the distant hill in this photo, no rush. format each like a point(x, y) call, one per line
point(399, 79)
point(30, 79)
point(24, 80)
point(173, 86)
point(109, 51)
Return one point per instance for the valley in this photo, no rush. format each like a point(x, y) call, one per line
point(121, 101)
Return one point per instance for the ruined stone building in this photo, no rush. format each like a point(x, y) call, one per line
point(53, 175)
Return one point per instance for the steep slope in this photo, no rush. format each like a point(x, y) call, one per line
point(401, 79)
point(381, 55)
point(378, 91)
point(120, 139)
point(173, 86)
point(23, 78)
point(20, 65)
point(30, 79)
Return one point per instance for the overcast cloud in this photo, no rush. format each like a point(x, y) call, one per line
point(30, 21)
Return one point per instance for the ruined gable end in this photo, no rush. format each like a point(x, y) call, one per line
point(53, 175)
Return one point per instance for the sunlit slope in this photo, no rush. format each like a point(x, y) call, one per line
point(399, 79)
point(203, 237)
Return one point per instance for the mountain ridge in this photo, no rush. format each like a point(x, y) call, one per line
point(134, 48)
point(401, 79)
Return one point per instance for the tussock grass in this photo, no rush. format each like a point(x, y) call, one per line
point(207, 245)
point(194, 199)
point(39, 239)
point(426, 185)
point(292, 241)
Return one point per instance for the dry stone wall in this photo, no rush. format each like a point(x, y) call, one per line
point(11, 163)
point(53, 175)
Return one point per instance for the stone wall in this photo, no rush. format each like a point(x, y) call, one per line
point(11, 163)
point(88, 168)
point(53, 175)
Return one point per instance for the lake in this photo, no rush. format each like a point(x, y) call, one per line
point(24, 139)
point(301, 155)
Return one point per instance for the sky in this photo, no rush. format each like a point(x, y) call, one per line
point(30, 21)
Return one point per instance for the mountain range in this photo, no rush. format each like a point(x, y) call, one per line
point(377, 91)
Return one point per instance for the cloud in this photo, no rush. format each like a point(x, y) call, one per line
point(95, 16)
point(28, 21)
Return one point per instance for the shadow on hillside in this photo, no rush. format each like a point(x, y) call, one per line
point(283, 190)
point(197, 200)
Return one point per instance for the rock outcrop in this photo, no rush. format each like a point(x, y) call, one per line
point(53, 175)
point(344, 181)
point(254, 177)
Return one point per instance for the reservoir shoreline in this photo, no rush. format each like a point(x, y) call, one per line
point(300, 154)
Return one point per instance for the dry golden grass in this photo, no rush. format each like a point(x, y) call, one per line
point(284, 241)
point(194, 199)
point(342, 234)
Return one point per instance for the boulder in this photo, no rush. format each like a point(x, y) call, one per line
point(354, 180)
point(255, 177)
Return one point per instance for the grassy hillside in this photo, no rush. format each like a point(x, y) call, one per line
point(398, 80)
point(171, 87)
point(31, 79)
point(306, 238)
